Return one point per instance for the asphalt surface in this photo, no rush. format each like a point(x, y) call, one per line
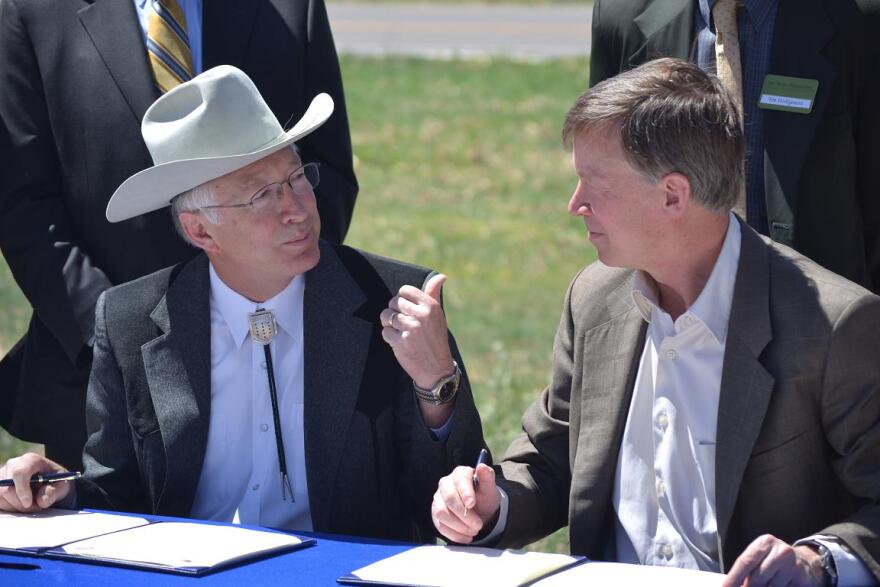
point(444, 31)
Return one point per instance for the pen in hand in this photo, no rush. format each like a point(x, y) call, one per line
point(47, 478)
point(484, 456)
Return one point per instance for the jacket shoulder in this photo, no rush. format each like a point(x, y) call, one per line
point(599, 293)
point(375, 271)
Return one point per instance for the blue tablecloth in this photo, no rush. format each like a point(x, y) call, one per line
point(321, 565)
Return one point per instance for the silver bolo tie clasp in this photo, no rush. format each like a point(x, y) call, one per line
point(263, 328)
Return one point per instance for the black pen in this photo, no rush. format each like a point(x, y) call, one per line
point(484, 456)
point(47, 478)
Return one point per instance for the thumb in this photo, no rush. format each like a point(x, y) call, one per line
point(434, 287)
point(486, 477)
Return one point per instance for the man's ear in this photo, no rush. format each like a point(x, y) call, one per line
point(197, 228)
point(677, 193)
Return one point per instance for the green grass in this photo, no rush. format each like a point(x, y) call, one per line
point(462, 170)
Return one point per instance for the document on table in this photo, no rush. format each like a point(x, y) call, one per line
point(181, 546)
point(596, 573)
point(55, 527)
point(453, 566)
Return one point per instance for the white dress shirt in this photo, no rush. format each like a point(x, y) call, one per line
point(240, 479)
point(664, 488)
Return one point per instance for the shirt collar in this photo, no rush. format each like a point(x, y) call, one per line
point(712, 306)
point(234, 307)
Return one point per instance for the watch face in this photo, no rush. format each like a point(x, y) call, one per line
point(446, 391)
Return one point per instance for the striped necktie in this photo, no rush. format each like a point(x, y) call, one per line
point(168, 45)
point(728, 64)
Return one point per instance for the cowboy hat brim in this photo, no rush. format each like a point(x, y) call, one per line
point(155, 187)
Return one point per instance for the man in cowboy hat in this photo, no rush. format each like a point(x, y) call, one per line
point(253, 383)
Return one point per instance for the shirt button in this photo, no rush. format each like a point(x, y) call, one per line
point(661, 489)
point(670, 354)
point(255, 487)
point(264, 427)
point(263, 364)
point(662, 421)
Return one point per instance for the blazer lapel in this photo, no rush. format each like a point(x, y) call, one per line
point(227, 27)
point(746, 386)
point(610, 363)
point(113, 27)
point(667, 27)
point(802, 31)
point(178, 368)
point(336, 344)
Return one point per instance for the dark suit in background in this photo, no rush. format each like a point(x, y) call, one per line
point(75, 85)
point(798, 438)
point(372, 464)
point(821, 171)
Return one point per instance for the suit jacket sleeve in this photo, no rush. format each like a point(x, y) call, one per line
point(850, 406)
point(331, 144)
point(868, 149)
point(428, 459)
point(536, 472)
point(112, 471)
point(601, 61)
point(50, 265)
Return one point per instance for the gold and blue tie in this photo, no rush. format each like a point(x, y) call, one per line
point(168, 45)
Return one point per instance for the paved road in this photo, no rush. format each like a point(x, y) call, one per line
point(443, 31)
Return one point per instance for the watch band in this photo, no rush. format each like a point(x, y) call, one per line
point(444, 391)
point(829, 567)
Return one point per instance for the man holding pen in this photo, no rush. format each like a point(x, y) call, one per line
point(714, 399)
point(253, 383)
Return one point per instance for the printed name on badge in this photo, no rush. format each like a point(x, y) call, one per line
point(788, 94)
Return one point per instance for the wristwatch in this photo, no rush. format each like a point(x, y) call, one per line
point(829, 567)
point(443, 391)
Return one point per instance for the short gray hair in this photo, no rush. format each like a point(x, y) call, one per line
point(671, 116)
point(194, 200)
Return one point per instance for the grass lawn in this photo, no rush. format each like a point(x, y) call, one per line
point(462, 170)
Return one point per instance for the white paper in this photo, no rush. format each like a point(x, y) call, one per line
point(54, 527)
point(182, 544)
point(454, 566)
point(595, 573)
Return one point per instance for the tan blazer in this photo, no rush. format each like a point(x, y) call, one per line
point(798, 445)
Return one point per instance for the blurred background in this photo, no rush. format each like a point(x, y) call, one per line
point(455, 113)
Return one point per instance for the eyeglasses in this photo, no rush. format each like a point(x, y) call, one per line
point(267, 199)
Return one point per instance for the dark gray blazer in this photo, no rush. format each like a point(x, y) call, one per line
point(798, 437)
point(74, 86)
point(372, 464)
point(821, 176)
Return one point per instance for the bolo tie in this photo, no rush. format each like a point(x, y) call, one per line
point(263, 329)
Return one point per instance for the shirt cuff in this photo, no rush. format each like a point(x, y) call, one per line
point(500, 525)
point(442, 433)
point(851, 570)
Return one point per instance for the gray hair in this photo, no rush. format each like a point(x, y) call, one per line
point(195, 200)
point(671, 116)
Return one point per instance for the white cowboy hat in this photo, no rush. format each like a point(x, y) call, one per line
point(203, 129)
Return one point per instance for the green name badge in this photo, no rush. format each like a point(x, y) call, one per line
point(789, 94)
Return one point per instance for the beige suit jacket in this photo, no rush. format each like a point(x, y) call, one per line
point(798, 441)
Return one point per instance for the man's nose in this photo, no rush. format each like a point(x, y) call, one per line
point(291, 204)
point(578, 205)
